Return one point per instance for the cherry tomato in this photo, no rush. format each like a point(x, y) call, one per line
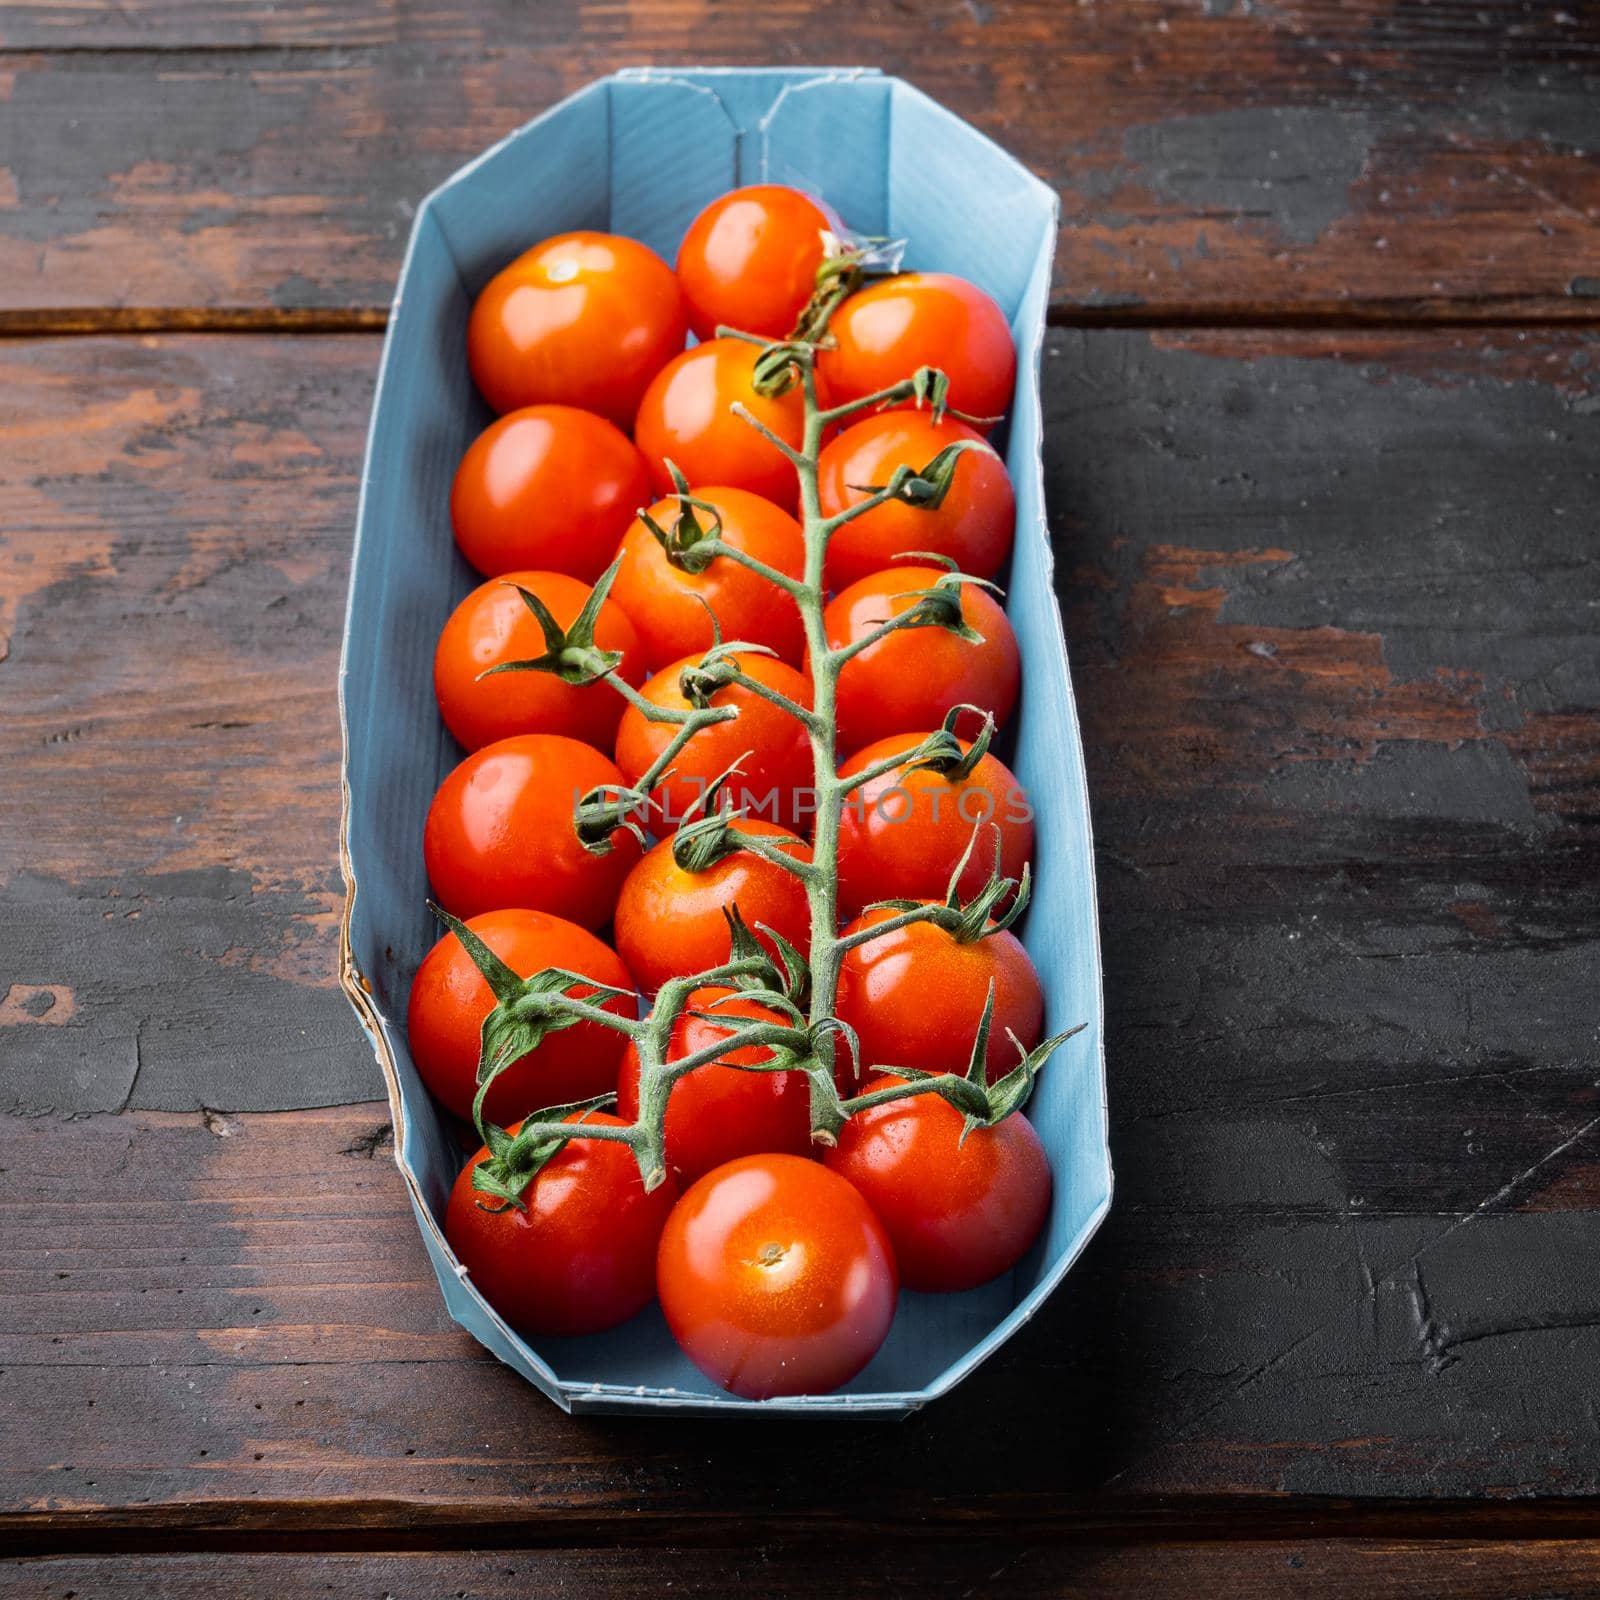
point(776, 1278)
point(669, 918)
point(922, 319)
point(911, 678)
point(500, 832)
point(750, 259)
point(667, 598)
point(493, 625)
point(717, 1113)
point(972, 524)
point(450, 999)
point(581, 1258)
point(547, 488)
point(685, 418)
point(915, 996)
point(775, 779)
point(960, 1211)
point(584, 319)
point(901, 835)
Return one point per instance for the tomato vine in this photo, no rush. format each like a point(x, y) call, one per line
point(799, 987)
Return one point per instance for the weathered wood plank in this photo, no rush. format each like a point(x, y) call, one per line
point(1376, 1569)
point(1212, 159)
point(177, 524)
point(1330, 605)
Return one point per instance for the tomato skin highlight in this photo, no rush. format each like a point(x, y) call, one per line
point(670, 921)
point(582, 319)
point(685, 417)
point(915, 996)
point(500, 832)
point(493, 625)
point(959, 1213)
point(547, 488)
point(776, 1278)
point(973, 525)
point(581, 1257)
point(750, 259)
point(902, 835)
point(776, 775)
point(450, 998)
point(882, 334)
point(911, 678)
point(718, 1113)
point(668, 605)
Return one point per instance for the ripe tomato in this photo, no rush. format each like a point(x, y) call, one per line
point(775, 781)
point(972, 524)
point(450, 999)
point(915, 996)
point(922, 319)
point(584, 319)
point(493, 625)
point(547, 488)
point(669, 918)
point(581, 1258)
point(717, 1113)
point(500, 832)
point(750, 259)
point(685, 418)
point(776, 1278)
point(910, 679)
point(903, 834)
point(959, 1213)
point(667, 599)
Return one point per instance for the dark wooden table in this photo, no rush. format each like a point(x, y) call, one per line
point(1324, 466)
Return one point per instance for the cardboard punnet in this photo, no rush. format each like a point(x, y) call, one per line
point(641, 153)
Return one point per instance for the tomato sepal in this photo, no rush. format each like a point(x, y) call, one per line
point(570, 653)
point(515, 1160)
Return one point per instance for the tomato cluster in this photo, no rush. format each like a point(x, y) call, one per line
point(686, 554)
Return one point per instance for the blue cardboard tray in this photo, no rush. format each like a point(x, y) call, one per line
point(641, 153)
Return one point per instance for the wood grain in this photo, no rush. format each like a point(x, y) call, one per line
point(1378, 158)
point(1330, 604)
point(1309, 1570)
point(177, 520)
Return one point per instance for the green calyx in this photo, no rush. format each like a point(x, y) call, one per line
point(604, 811)
point(941, 752)
point(515, 1160)
point(570, 653)
point(687, 544)
point(782, 984)
point(925, 488)
point(525, 1013)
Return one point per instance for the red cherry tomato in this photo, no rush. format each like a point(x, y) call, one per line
point(717, 1112)
point(750, 259)
point(669, 917)
point(549, 489)
point(668, 599)
point(775, 779)
point(972, 525)
point(915, 996)
point(450, 999)
point(500, 832)
point(922, 319)
point(584, 319)
point(493, 625)
point(581, 1258)
point(911, 678)
point(776, 1278)
point(685, 418)
point(960, 1212)
point(902, 835)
